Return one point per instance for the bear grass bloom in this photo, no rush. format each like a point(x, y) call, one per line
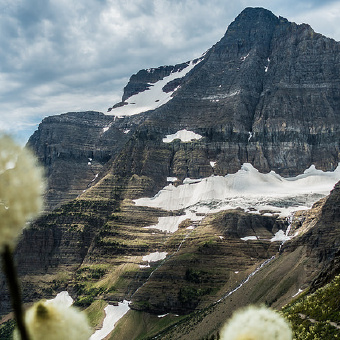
point(21, 189)
point(256, 323)
point(55, 321)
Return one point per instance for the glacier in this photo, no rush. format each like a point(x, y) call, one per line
point(248, 189)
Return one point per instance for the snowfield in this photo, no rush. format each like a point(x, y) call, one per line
point(154, 257)
point(183, 135)
point(248, 189)
point(153, 97)
point(113, 315)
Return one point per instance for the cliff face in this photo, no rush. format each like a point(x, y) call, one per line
point(74, 148)
point(267, 94)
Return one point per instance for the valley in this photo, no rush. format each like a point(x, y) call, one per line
point(212, 185)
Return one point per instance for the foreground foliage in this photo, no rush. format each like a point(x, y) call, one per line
point(316, 316)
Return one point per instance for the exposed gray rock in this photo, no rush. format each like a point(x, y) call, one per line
point(267, 93)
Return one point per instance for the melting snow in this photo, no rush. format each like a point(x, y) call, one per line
point(183, 135)
point(170, 223)
point(245, 57)
point(191, 181)
point(113, 315)
point(154, 257)
point(280, 236)
point(95, 177)
point(217, 97)
point(248, 189)
point(249, 238)
point(153, 97)
point(299, 291)
point(144, 266)
point(171, 179)
point(247, 279)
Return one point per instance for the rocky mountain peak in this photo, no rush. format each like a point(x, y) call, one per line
point(251, 25)
point(147, 178)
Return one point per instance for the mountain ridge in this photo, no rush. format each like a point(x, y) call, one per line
point(267, 95)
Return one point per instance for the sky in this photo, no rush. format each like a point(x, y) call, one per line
point(59, 56)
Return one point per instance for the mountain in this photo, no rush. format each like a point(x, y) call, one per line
point(203, 190)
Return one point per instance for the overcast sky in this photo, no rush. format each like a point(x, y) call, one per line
point(77, 55)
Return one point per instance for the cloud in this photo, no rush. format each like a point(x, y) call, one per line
point(67, 55)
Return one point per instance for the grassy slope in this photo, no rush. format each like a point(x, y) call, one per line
point(316, 316)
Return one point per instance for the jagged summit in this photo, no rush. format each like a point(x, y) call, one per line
point(252, 24)
point(267, 93)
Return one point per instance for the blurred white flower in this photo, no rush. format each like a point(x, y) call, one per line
point(256, 323)
point(47, 320)
point(21, 189)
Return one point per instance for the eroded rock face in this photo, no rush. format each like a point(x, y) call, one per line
point(267, 93)
point(74, 149)
point(323, 237)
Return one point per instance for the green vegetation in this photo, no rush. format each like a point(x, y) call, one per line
point(191, 295)
point(6, 330)
point(316, 316)
point(91, 272)
point(95, 312)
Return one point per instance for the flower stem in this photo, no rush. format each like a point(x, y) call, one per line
point(14, 290)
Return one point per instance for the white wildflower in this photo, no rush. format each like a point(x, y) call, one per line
point(55, 321)
point(21, 189)
point(256, 323)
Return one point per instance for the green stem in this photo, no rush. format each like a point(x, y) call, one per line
point(14, 290)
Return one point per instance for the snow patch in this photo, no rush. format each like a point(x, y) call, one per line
point(154, 257)
point(267, 66)
point(95, 177)
point(171, 179)
point(142, 266)
point(249, 238)
point(152, 98)
point(170, 224)
point(245, 57)
point(299, 291)
point(183, 135)
point(192, 180)
point(113, 315)
point(280, 236)
point(212, 164)
point(218, 97)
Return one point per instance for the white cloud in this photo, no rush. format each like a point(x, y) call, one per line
point(63, 55)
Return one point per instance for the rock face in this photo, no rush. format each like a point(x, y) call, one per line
point(74, 149)
point(268, 93)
